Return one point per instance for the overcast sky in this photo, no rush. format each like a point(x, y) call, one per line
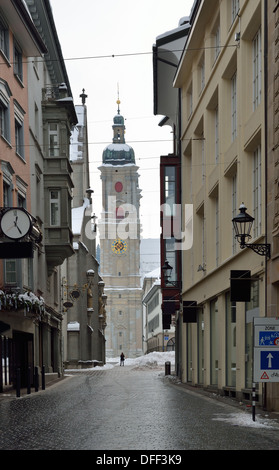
point(91, 32)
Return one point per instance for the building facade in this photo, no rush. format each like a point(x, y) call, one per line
point(227, 112)
point(167, 52)
point(156, 338)
point(221, 78)
point(82, 288)
point(272, 144)
point(36, 182)
point(120, 245)
point(52, 117)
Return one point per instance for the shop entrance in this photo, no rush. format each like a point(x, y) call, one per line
point(23, 356)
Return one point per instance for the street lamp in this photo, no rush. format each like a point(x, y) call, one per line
point(167, 270)
point(242, 225)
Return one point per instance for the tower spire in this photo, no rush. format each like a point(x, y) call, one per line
point(118, 100)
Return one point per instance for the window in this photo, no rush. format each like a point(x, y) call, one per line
point(234, 208)
point(235, 9)
point(170, 184)
point(202, 74)
point(10, 271)
point(217, 42)
point(190, 101)
point(3, 119)
point(7, 171)
point(54, 207)
point(217, 135)
point(18, 71)
point(230, 342)
point(21, 202)
point(234, 107)
point(257, 69)
point(257, 191)
point(253, 306)
point(5, 94)
point(4, 38)
point(201, 346)
point(6, 194)
point(217, 230)
point(22, 187)
point(53, 134)
point(203, 165)
point(170, 256)
point(214, 342)
point(19, 138)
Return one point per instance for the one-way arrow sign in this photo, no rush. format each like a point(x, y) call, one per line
point(269, 360)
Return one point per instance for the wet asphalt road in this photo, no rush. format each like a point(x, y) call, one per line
point(128, 408)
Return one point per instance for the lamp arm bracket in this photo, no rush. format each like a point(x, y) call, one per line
point(261, 249)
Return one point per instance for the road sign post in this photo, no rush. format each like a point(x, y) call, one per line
point(266, 351)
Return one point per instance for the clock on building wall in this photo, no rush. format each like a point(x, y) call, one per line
point(16, 223)
point(118, 187)
point(119, 246)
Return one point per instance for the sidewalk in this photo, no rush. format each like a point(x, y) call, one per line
point(9, 392)
point(245, 406)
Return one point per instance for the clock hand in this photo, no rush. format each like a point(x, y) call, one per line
point(15, 222)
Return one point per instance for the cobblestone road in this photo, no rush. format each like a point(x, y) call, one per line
point(128, 408)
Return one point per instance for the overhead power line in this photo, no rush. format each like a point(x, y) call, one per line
point(125, 54)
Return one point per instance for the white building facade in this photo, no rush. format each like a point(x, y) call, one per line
point(120, 245)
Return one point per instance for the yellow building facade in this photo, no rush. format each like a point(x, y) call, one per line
point(221, 78)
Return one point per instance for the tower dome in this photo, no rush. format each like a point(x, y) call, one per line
point(118, 153)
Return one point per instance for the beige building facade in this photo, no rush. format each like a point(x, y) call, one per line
point(221, 78)
point(272, 113)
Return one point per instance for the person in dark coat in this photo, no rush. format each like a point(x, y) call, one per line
point(122, 358)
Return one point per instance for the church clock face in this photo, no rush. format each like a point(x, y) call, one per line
point(118, 187)
point(119, 246)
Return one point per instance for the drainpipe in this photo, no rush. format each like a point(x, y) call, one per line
point(266, 153)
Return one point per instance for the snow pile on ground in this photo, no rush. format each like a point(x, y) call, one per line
point(245, 419)
point(151, 360)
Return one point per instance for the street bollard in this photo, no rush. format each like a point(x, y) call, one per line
point(29, 381)
point(18, 382)
point(43, 378)
point(36, 379)
point(167, 368)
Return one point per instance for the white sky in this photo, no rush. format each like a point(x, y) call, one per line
point(88, 29)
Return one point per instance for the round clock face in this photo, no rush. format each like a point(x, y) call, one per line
point(118, 187)
point(15, 223)
point(119, 246)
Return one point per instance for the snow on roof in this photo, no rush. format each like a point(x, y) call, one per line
point(75, 152)
point(77, 216)
point(154, 274)
point(115, 166)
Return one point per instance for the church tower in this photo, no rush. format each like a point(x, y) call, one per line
point(120, 245)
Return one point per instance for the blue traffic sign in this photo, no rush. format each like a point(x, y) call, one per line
point(268, 338)
point(269, 360)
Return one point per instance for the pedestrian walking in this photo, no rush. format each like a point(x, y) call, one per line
point(122, 358)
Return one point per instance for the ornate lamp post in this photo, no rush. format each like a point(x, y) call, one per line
point(242, 224)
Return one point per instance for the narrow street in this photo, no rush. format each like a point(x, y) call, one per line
point(129, 408)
